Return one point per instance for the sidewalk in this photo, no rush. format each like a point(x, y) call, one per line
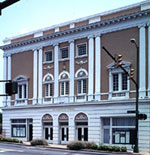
point(65, 147)
point(50, 145)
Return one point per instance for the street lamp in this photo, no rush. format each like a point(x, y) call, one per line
point(136, 148)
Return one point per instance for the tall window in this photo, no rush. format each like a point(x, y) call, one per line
point(48, 90)
point(49, 56)
point(115, 82)
point(81, 86)
point(64, 88)
point(64, 53)
point(22, 91)
point(81, 48)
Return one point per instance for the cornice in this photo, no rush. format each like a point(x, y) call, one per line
point(79, 29)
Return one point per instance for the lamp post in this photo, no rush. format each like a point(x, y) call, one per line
point(136, 148)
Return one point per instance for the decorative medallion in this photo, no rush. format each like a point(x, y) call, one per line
point(48, 67)
point(81, 62)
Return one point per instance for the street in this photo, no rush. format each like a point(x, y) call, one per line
point(13, 149)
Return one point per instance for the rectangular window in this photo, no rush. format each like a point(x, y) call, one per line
point(81, 49)
point(49, 89)
point(49, 56)
point(115, 82)
point(81, 84)
point(124, 81)
point(64, 88)
point(18, 128)
point(64, 53)
point(122, 130)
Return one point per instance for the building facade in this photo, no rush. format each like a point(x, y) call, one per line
point(70, 89)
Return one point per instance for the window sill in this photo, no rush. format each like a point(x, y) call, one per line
point(65, 59)
point(47, 62)
point(82, 56)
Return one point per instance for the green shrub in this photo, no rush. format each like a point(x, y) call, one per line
point(110, 148)
point(76, 145)
point(103, 147)
point(39, 142)
point(8, 139)
point(116, 148)
point(123, 149)
point(94, 146)
point(88, 145)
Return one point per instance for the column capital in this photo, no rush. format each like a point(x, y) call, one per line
point(71, 41)
point(40, 48)
point(142, 25)
point(90, 36)
point(98, 35)
point(55, 44)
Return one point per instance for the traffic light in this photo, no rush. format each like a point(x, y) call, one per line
point(11, 88)
point(142, 116)
point(131, 73)
point(118, 60)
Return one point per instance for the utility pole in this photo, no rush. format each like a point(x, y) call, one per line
point(7, 3)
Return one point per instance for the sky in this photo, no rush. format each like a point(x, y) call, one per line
point(29, 15)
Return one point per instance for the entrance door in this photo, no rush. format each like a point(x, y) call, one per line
point(48, 134)
point(64, 132)
point(30, 132)
point(82, 133)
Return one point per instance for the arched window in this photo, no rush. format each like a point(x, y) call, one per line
point(64, 83)
point(48, 82)
point(81, 82)
point(22, 95)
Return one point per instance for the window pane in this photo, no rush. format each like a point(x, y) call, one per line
point(67, 88)
point(106, 121)
point(20, 91)
point(84, 86)
point(48, 56)
point(124, 81)
point(62, 88)
point(51, 89)
point(123, 122)
point(64, 53)
point(79, 86)
point(115, 82)
point(25, 89)
point(106, 136)
point(82, 49)
point(46, 90)
point(123, 136)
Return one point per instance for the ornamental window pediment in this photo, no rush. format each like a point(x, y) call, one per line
point(63, 117)
point(64, 75)
point(81, 117)
point(48, 77)
point(81, 73)
point(47, 118)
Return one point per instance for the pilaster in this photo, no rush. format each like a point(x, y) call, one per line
point(97, 66)
point(56, 72)
point(9, 78)
point(91, 68)
point(35, 77)
point(71, 68)
point(142, 63)
point(40, 74)
point(4, 78)
point(148, 59)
